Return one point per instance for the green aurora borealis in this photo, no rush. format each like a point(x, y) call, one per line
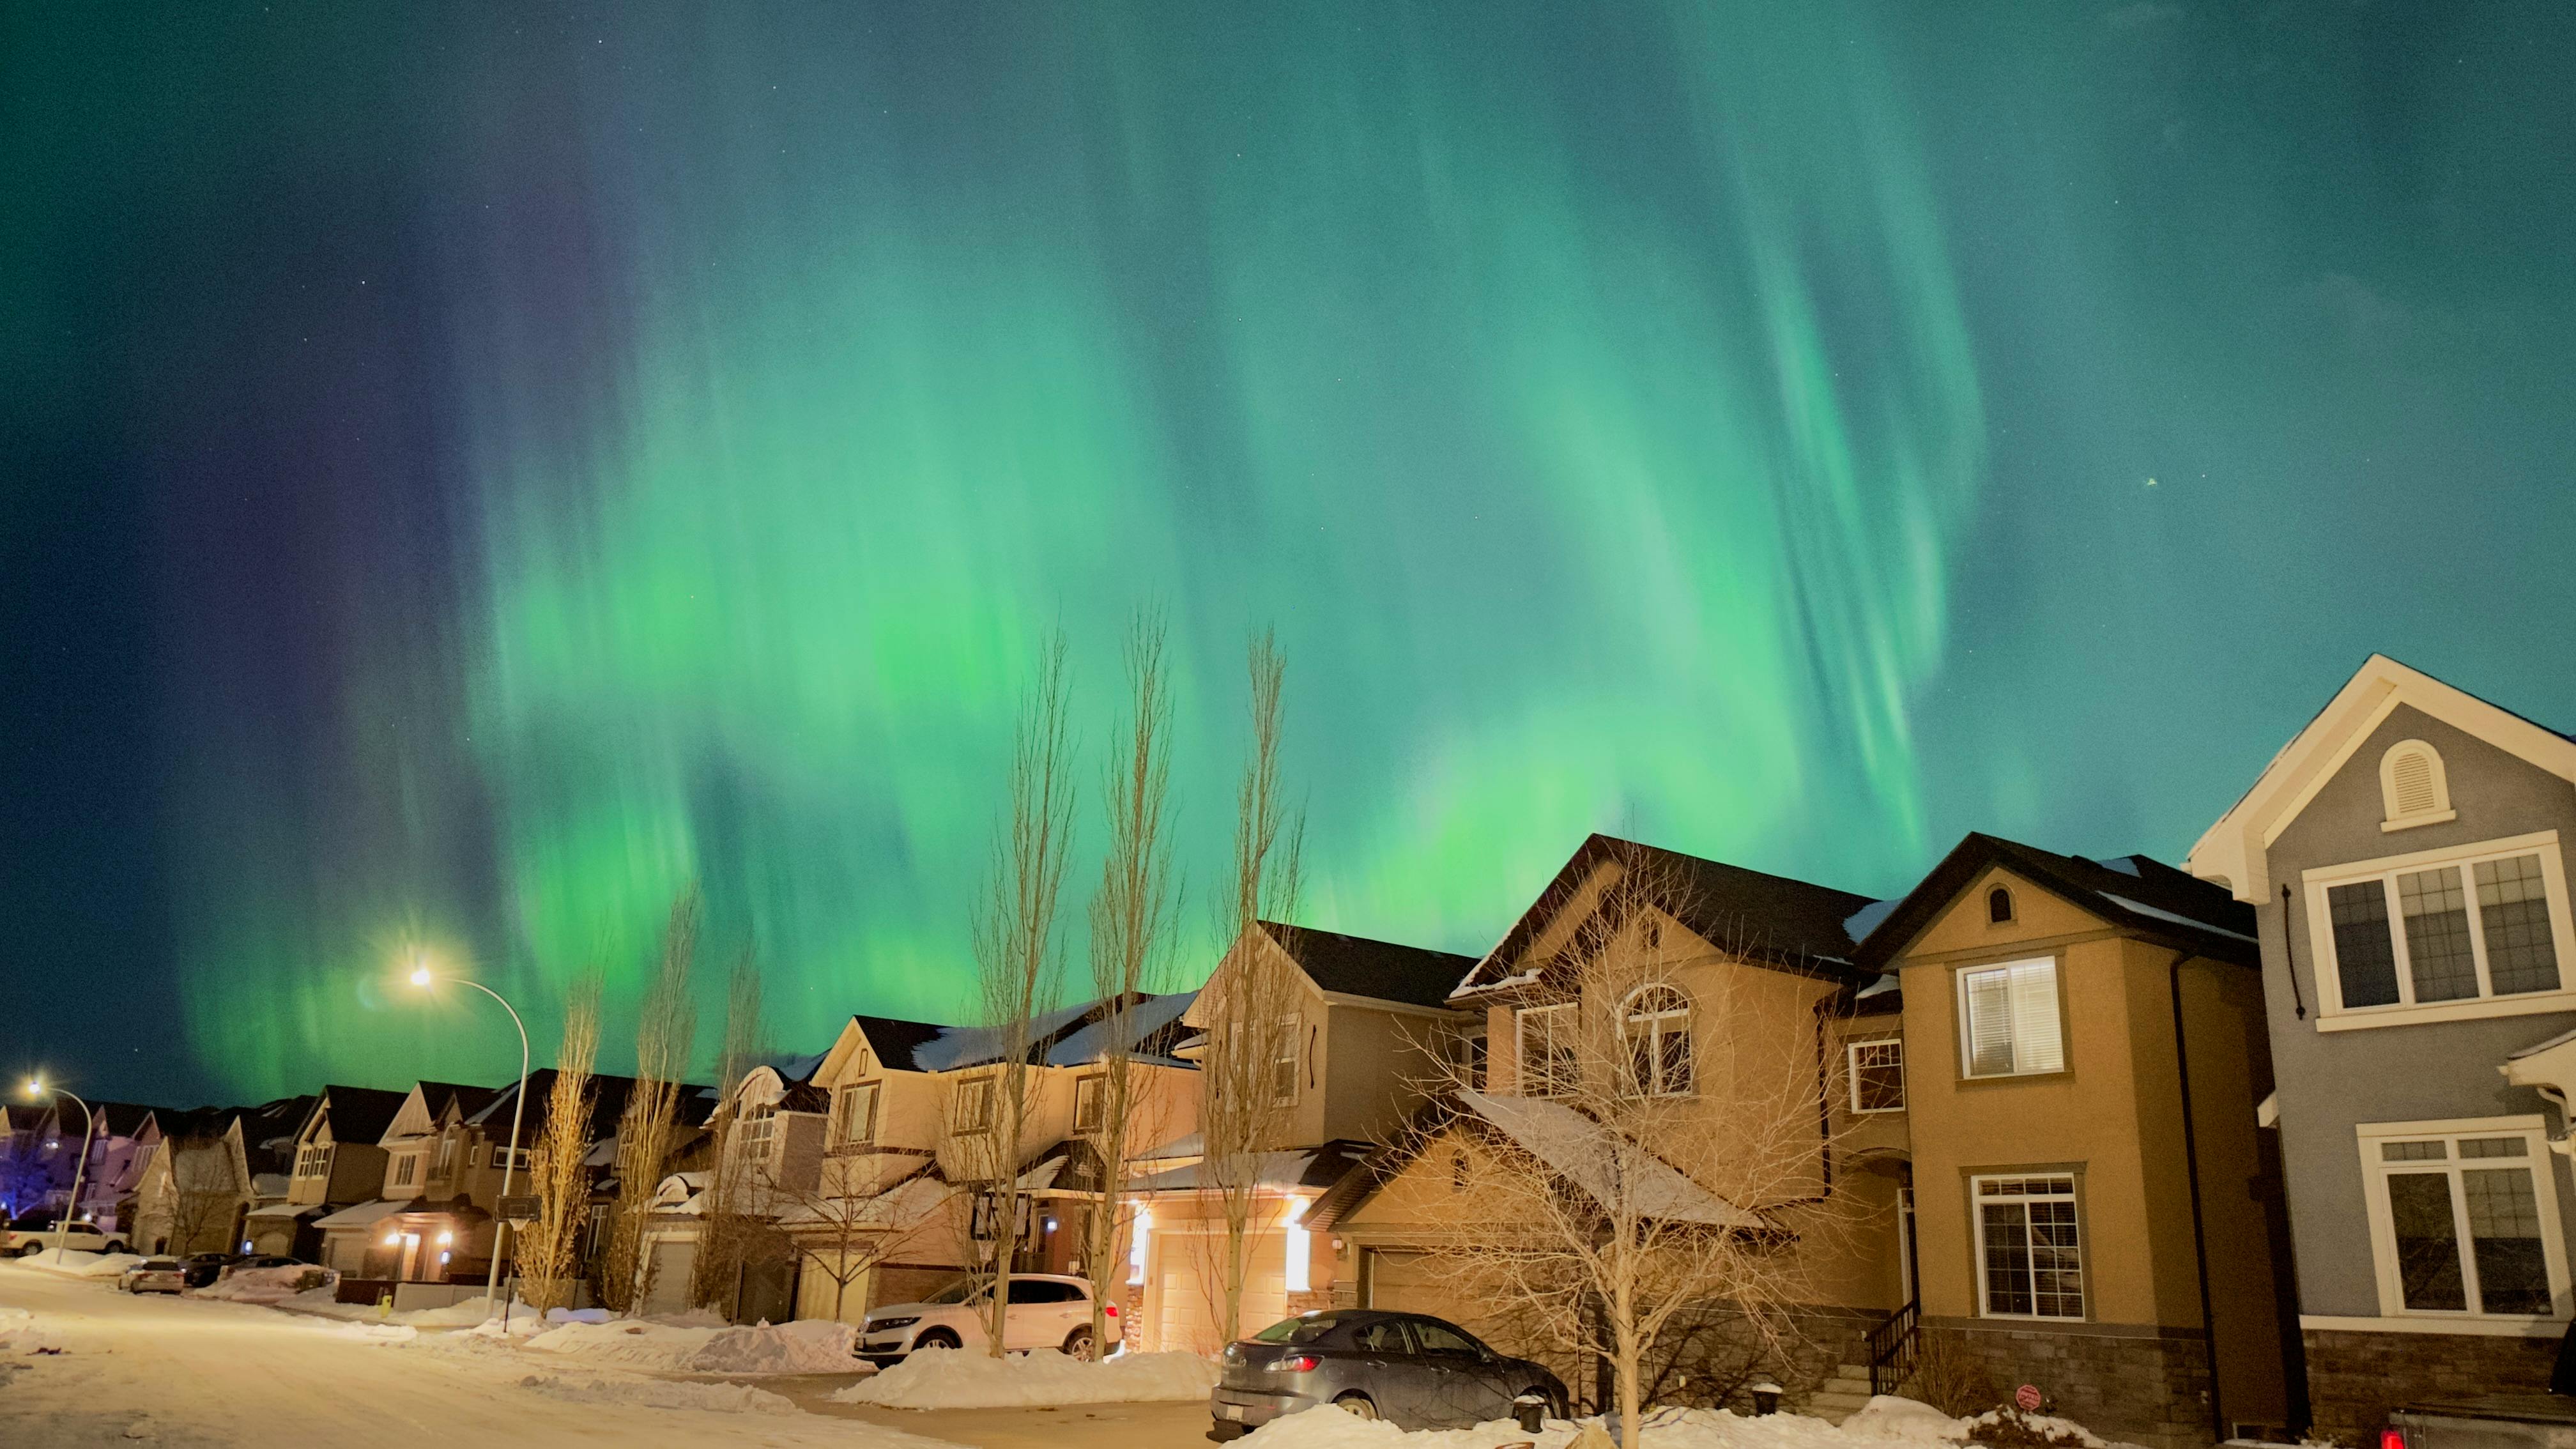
point(567, 458)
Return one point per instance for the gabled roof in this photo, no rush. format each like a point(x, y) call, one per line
point(1762, 917)
point(357, 1114)
point(2233, 850)
point(1288, 1170)
point(2143, 896)
point(1379, 970)
point(608, 1096)
point(438, 1096)
point(894, 1040)
point(1578, 1150)
point(128, 1119)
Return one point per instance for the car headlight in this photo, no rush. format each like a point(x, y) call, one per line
point(876, 1324)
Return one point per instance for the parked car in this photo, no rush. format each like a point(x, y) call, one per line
point(34, 1233)
point(1046, 1310)
point(1417, 1372)
point(204, 1268)
point(235, 1262)
point(154, 1275)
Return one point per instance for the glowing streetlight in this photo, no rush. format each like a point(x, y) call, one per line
point(423, 977)
point(36, 1090)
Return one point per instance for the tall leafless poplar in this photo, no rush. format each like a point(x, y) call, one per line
point(1250, 1016)
point(550, 1247)
point(1131, 920)
point(1016, 942)
point(665, 1032)
point(729, 1235)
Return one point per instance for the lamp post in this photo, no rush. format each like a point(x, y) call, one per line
point(89, 1123)
point(422, 976)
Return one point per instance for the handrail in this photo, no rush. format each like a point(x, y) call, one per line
point(1892, 1345)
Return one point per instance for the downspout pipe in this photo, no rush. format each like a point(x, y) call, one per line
point(2191, 1170)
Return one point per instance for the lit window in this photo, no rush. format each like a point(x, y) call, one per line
point(1659, 1043)
point(1549, 1054)
point(2464, 929)
point(2029, 1244)
point(2463, 1218)
point(2413, 787)
point(1088, 1095)
point(2008, 1019)
point(855, 1109)
point(1877, 1075)
point(406, 1168)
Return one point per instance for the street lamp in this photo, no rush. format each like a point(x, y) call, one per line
point(423, 977)
point(89, 1121)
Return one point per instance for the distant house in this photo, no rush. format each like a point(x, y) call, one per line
point(215, 1167)
point(121, 1143)
point(420, 1225)
point(2407, 855)
point(2090, 1208)
point(337, 1161)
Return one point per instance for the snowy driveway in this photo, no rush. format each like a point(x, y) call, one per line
point(194, 1372)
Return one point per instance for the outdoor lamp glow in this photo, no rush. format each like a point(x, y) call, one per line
point(446, 1238)
point(35, 1087)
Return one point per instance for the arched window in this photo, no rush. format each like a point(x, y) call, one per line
point(2413, 786)
point(1659, 1045)
point(1999, 905)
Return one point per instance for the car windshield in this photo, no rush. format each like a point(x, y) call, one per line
point(957, 1292)
point(1306, 1328)
point(158, 1265)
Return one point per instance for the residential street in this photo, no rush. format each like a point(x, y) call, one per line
point(198, 1372)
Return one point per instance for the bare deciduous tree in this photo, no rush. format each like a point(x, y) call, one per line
point(731, 1229)
point(860, 1212)
point(1131, 918)
point(1253, 1035)
point(1656, 1189)
point(1016, 942)
point(203, 1194)
point(550, 1247)
point(664, 1035)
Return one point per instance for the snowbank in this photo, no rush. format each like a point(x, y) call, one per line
point(1883, 1421)
point(944, 1378)
point(788, 1348)
point(658, 1394)
point(73, 1263)
point(21, 1334)
point(271, 1285)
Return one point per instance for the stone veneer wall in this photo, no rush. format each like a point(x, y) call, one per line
point(2146, 1386)
point(1131, 1317)
point(2354, 1379)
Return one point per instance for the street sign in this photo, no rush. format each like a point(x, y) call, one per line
point(2028, 1397)
point(518, 1210)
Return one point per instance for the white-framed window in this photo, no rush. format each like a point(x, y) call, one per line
point(1877, 1074)
point(1285, 1059)
point(2476, 930)
point(313, 1160)
point(759, 1125)
point(2463, 1218)
point(1548, 1049)
point(974, 1105)
point(446, 1155)
point(406, 1169)
point(2029, 1245)
point(2008, 1020)
point(1090, 1096)
point(854, 1114)
point(1656, 1025)
point(2413, 786)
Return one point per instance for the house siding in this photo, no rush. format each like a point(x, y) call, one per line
point(2331, 1082)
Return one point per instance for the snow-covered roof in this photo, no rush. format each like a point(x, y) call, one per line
point(364, 1213)
point(1145, 1018)
point(1609, 1167)
point(1865, 920)
point(973, 1046)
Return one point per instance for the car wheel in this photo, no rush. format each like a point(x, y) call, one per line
point(31, 1250)
point(938, 1338)
point(1555, 1406)
point(1078, 1344)
point(1358, 1406)
point(116, 1247)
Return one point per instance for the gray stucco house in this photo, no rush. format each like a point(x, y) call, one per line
point(2406, 854)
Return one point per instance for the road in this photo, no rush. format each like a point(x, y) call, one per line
point(194, 1372)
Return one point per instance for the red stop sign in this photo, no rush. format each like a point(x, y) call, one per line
point(2028, 1397)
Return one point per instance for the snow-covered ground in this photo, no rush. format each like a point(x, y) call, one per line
point(197, 1372)
point(944, 1378)
point(1884, 1423)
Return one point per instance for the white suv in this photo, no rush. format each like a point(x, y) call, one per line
point(25, 1238)
point(1047, 1310)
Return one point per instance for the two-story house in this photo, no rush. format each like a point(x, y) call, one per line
point(2090, 1210)
point(771, 1127)
point(215, 1168)
point(1692, 1022)
point(2406, 853)
point(421, 1224)
point(337, 1162)
point(1364, 1035)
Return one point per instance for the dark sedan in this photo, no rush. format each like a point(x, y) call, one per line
point(1416, 1372)
point(204, 1268)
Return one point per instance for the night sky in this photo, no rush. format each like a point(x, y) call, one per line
point(471, 469)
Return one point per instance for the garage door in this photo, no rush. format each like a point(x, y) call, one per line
point(1406, 1282)
point(669, 1290)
